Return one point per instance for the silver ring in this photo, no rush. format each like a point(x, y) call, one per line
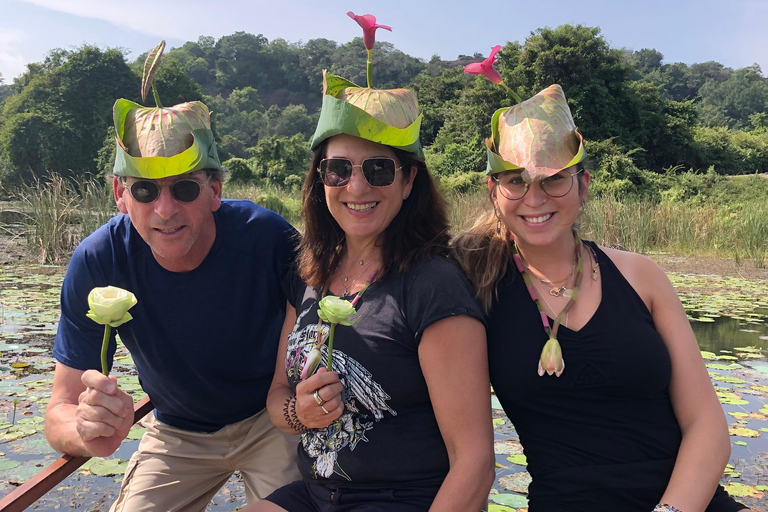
point(326, 411)
point(319, 400)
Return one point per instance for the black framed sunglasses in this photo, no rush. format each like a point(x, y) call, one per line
point(378, 172)
point(184, 191)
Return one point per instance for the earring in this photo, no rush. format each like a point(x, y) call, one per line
point(406, 195)
point(498, 221)
point(582, 207)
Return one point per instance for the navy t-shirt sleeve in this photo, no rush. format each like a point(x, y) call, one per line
point(437, 290)
point(78, 338)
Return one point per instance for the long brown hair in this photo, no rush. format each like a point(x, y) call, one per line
point(419, 230)
point(484, 254)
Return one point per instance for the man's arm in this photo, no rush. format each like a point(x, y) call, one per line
point(88, 414)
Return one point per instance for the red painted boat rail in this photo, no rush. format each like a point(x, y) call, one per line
point(34, 488)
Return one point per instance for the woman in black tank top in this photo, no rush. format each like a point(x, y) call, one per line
point(590, 350)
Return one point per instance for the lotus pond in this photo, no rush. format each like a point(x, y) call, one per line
point(728, 315)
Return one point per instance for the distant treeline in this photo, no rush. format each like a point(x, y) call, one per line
point(638, 114)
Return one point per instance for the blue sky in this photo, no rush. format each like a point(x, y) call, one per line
point(731, 32)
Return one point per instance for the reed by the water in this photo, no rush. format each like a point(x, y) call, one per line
point(60, 213)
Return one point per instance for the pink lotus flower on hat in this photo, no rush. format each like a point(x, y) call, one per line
point(551, 359)
point(368, 22)
point(486, 68)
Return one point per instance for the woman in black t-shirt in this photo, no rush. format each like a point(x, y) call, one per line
point(394, 425)
point(591, 354)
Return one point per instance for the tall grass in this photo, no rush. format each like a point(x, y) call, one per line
point(736, 230)
point(60, 213)
point(284, 202)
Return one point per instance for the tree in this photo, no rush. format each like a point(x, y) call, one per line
point(63, 111)
point(593, 76)
point(731, 102)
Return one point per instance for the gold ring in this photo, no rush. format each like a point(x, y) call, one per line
point(326, 411)
point(319, 400)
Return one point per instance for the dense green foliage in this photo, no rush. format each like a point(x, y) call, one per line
point(653, 129)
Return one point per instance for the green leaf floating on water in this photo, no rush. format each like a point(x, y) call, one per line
point(499, 508)
point(511, 500)
point(518, 458)
point(109, 467)
point(740, 490)
point(6, 464)
point(136, 433)
point(721, 366)
point(734, 401)
point(743, 432)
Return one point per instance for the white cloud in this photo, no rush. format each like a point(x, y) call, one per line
point(150, 17)
point(12, 63)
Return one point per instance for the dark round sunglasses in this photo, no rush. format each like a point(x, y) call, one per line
point(185, 191)
point(378, 172)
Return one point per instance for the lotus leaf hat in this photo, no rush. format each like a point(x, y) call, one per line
point(537, 136)
point(158, 142)
point(390, 117)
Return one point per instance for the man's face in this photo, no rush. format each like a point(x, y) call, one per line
point(180, 234)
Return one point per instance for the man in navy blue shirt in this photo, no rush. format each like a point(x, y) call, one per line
point(204, 334)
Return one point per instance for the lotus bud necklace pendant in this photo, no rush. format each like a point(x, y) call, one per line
point(551, 359)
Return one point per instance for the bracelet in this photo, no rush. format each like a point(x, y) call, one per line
point(663, 507)
point(293, 421)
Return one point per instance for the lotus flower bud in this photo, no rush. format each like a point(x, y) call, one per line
point(109, 305)
point(551, 360)
point(310, 363)
point(335, 310)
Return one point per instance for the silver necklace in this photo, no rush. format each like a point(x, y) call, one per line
point(360, 262)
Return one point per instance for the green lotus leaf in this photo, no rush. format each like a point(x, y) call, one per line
point(537, 135)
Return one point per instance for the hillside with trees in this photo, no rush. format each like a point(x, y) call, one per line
point(644, 119)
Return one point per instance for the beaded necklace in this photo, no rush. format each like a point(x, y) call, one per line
point(551, 359)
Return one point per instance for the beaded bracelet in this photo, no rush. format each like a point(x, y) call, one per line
point(293, 421)
point(663, 507)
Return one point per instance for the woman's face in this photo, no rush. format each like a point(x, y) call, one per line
point(538, 219)
point(363, 211)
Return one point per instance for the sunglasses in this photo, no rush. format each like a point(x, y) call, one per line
point(378, 172)
point(184, 191)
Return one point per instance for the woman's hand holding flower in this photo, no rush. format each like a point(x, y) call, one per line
point(329, 388)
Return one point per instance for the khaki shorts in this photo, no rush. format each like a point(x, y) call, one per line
point(181, 470)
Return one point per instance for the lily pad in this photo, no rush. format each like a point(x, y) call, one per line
point(136, 433)
point(493, 507)
point(511, 500)
point(6, 464)
point(740, 490)
point(519, 459)
point(517, 482)
point(743, 432)
point(109, 467)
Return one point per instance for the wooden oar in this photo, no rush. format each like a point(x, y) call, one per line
point(31, 490)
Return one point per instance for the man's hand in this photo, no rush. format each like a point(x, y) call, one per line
point(104, 413)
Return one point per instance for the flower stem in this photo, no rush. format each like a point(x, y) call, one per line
point(156, 96)
point(512, 93)
point(369, 70)
point(104, 346)
point(329, 367)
